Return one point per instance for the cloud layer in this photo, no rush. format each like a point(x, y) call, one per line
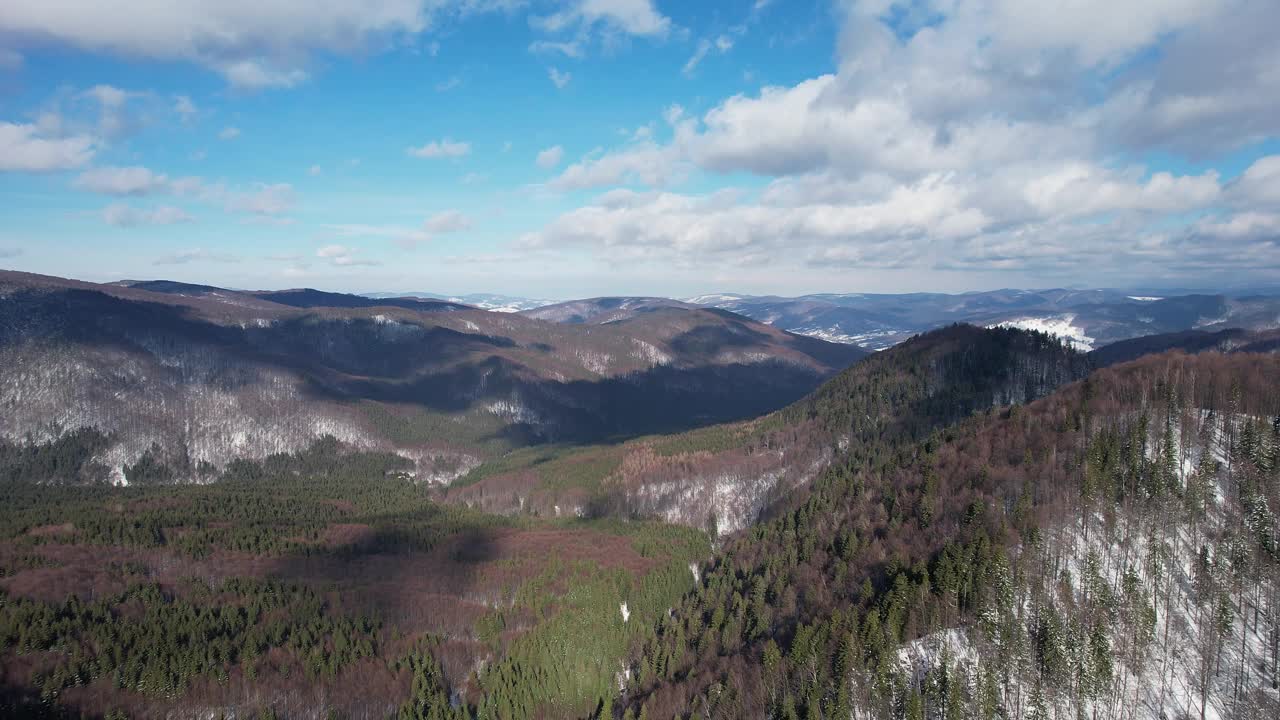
point(997, 135)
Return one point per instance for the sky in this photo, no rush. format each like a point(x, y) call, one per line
point(591, 147)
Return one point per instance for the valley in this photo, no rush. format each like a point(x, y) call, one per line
point(320, 504)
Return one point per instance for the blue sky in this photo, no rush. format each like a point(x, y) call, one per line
point(585, 147)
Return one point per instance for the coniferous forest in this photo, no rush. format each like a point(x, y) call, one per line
point(999, 528)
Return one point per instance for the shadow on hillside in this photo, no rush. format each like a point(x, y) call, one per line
point(345, 360)
point(414, 576)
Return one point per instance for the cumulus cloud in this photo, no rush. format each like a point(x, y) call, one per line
point(122, 215)
point(258, 46)
point(1076, 26)
point(31, 148)
point(964, 136)
point(646, 163)
point(440, 149)
point(1259, 184)
point(229, 133)
point(343, 256)
point(550, 157)
point(721, 227)
point(253, 45)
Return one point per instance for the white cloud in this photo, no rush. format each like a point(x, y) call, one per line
point(633, 17)
point(1079, 189)
point(1259, 184)
point(453, 81)
point(550, 157)
point(254, 45)
point(115, 119)
point(122, 215)
point(722, 45)
point(945, 143)
point(558, 78)
point(314, 170)
point(108, 96)
point(720, 227)
point(229, 133)
point(29, 148)
point(440, 149)
point(258, 45)
point(264, 202)
point(343, 256)
point(1097, 31)
point(572, 49)
point(257, 75)
point(122, 181)
point(644, 162)
point(1248, 224)
point(447, 221)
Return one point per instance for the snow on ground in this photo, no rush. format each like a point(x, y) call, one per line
point(1058, 325)
point(873, 340)
point(1144, 298)
point(649, 352)
point(712, 299)
point(1182, 668)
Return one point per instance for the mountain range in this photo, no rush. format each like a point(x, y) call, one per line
point(625, 507)
point(197, 374)
point(1089, 318)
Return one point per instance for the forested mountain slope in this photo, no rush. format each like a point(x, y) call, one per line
point(1192, 341)
point(184, 375)
point(318, 584)
point(722, 478)
point(1108, 551)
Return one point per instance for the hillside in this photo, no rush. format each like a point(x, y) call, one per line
point(602, 310)
point(722, 478)
point(319, 584)
point(1192, 341)
point(185, 375)
point(1106, 551)
point(1092, 318)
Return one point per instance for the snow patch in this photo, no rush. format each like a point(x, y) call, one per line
point(1060, 326)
